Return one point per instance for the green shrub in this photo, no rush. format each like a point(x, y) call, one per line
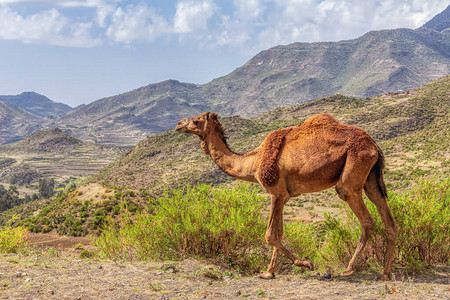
point(227, 225)
point(423, 217)
point(303, 239)
point(199, 221)
point(12, 239)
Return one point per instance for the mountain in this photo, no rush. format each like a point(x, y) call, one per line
point(37, 104)
point(16, 123)
point(440, 22)
point(375, 63)
point(126, 119)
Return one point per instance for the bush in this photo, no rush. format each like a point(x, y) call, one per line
point(423, 217)
point(199, 221)
point(227, 225)
point(12, 240)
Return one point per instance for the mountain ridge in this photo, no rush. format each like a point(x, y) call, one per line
point(37, 104)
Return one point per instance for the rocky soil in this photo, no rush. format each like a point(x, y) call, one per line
point(54, 270)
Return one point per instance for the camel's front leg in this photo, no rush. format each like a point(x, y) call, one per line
point(270, 273)
point(274, 234)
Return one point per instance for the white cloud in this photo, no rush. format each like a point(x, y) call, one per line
point(48, 27)
point(62, 3)
point(192, 16)
point(286, 21)
point(251, 25)
point(136, 23)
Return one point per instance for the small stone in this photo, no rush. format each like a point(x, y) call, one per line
point(20, 274)
point(169, 268)
point(28, 279)
point(326, 276)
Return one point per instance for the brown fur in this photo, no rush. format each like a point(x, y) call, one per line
point(312, 156)
point(269, 170)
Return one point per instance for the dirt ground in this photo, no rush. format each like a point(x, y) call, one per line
point(55, 271)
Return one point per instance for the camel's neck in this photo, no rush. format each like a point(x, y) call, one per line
point(240, 166)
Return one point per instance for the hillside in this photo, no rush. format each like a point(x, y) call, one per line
point(125, 119)
point(411, 127)
point(52, 153)
point(36, 104)
point(16, 123)
point(375, 63)
point(440, 22)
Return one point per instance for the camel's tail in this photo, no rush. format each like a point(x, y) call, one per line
point(378, 169)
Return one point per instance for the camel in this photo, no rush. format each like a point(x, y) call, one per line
point(317, 154)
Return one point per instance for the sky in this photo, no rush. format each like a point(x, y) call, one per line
point(79, 51)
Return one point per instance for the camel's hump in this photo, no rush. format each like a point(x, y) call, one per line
point(319, 120)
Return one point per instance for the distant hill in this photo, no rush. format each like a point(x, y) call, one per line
point(37, 104)
point(16, 123)
point(126, 119)
point(46, 141)
point(375, 63)
point(52, 153)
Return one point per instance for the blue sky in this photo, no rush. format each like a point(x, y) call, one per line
point(78, 51)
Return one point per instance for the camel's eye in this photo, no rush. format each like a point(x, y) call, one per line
point(195, 122)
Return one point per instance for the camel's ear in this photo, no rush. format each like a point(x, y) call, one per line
point(211, 115)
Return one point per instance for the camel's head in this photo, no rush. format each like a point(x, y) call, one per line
point(200, 125)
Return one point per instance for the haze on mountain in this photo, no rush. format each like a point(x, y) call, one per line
point(23, 114)
point(37, 104)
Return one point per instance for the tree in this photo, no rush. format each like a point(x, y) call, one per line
point(46, 187)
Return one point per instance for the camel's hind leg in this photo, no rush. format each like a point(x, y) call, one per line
point(373, 191)
point(349, 188)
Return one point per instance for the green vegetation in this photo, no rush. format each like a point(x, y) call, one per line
point(422, 215)
point(46, 187)
point(12, 239)
point(226, 225)
point(9, 198)
point(200, 221)
point(70, 216)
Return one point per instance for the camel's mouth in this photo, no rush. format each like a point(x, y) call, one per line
point(180, 129)
point(181, 126)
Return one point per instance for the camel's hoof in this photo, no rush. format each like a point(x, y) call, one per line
point(384, 277)
point(304, 263)
point(348, 273)
point(266, 275)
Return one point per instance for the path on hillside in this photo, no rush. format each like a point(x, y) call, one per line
point(63, 275)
